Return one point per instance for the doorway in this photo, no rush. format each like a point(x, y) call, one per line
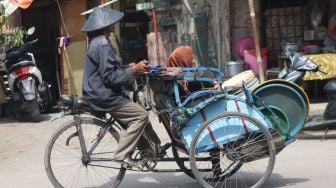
point(43, 15)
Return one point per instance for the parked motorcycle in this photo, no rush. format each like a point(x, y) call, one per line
point(29, 93)
point(301, 64)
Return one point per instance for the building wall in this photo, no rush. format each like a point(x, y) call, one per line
point(228, 21)
point(218, 28)
point(73, 65)
point(73, 57)
point(71, 10)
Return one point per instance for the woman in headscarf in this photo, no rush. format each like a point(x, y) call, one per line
point(182, 56)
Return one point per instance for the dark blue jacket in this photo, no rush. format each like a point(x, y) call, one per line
point(104, 76)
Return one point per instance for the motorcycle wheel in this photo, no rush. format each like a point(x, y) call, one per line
point(34, 111)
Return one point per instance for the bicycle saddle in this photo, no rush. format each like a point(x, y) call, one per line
point(75, 104)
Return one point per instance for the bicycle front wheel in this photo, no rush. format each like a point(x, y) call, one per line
point(64, 161)
point(232, 150)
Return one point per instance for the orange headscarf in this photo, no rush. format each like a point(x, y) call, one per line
point(181, 57)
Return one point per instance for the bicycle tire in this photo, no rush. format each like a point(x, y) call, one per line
point(188, 171)
point(237, 150)
point(181, 164)
point(88, 124)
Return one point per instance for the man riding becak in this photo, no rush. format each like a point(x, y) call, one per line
point(103, 82)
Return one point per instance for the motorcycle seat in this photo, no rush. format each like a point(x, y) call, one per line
point(21, 64)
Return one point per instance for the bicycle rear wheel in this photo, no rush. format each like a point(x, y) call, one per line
point(64, 162)
point(238, 150)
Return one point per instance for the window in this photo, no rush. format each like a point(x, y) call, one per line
point(284, 21)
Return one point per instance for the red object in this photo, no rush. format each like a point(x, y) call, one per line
point(22, 72)
point(22, 3)
point(250, 59)
point(244, 43)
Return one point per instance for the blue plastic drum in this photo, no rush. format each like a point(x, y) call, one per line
point(225, 104)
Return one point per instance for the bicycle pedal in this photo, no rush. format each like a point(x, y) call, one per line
point(164, 147)
point(163, 150)
point(128, 167)
point(146, 159)
point(131, 167)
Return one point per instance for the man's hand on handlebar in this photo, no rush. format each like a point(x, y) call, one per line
point(141, 66)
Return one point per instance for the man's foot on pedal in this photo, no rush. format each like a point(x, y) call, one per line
point(131, 163)
point(163, 149)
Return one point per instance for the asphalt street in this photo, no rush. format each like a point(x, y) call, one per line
point(307, 163)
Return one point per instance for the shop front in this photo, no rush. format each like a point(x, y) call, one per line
point(300, 25)
point(214, 28)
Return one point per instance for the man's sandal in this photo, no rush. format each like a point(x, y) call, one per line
point(128, 162)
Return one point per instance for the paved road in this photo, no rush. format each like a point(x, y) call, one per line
point(307, 163)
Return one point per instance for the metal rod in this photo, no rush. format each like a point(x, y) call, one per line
point(157, 47)
point(256, 40)
point(219, 41)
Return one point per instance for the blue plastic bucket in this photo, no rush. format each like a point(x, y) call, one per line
point(292, 85)
point(288, 100)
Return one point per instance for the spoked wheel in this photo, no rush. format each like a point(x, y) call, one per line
point(65, 164)
point(237, 151)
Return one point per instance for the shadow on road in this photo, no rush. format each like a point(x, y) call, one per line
point(177, 180)
point(277, 180)
point(14, 119)
point(155, 180)
point(317, 135)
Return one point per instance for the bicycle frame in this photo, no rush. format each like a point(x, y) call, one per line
point(111, 124)
point(85, 153)
point(86, 157)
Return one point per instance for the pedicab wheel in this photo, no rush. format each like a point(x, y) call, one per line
point(65, 165)
point(238, 150)
point(181, 163)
